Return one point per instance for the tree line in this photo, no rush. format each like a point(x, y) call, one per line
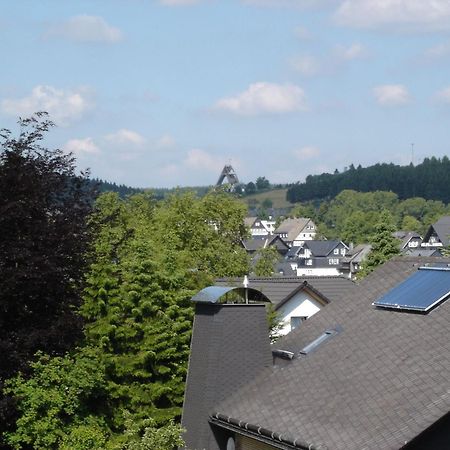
point(352, 216)
point(429, 180)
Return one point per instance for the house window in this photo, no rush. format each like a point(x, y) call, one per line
point(296, 321)
point(336, 251)
point(309, 262)
point(333, 261)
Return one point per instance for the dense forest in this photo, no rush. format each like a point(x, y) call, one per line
point(429, 180)
point(106, 186)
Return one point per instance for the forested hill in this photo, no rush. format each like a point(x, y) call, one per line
point(158, 193)
point(430, 180)
point(121, 189)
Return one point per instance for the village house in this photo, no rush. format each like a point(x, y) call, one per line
point(319, 258)
point(259, 227)
point(296, 231)
point(295, 299)
point(438, 235)
point(408, 240)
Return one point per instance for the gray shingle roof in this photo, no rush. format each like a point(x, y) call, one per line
point(321, 248)
point(442, 228)
point(377, 384)
point(278, 288)
point(249, 221)
point(293, 227)
point(256, 243)
point(423, 252)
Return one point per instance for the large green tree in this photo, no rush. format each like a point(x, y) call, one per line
point(44, 236)
point(149, 258)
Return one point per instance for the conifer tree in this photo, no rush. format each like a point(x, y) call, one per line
point(384, 244)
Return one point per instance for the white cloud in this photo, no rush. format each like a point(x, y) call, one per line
point(170, 170)
point(306, 65)
point(302, 33)
point(198, 159)
point(86, 28)
point(398, 15)
point(81, 147)
point(444, 95)
point(63, 106)
point(353, 51)
point(166, 141)
point(438, 51)
point(127, 137)
point(391, 95)
point(265, 98)
point(306, 153)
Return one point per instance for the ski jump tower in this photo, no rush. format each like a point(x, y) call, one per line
point(228, 173)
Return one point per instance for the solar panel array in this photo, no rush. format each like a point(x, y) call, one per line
point(422, 291)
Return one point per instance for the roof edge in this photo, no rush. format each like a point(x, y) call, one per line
point(262, 434)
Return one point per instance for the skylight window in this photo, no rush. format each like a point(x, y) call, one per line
point(320, 340)
point(422, 291)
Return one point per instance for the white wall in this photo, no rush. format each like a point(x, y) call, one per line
point(318, 271)
point(300, 305)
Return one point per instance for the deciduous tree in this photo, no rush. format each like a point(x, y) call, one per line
point(44, 236)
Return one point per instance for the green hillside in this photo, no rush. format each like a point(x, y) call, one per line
point(276, 196)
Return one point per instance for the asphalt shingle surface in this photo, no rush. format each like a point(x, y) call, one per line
point(376, 385)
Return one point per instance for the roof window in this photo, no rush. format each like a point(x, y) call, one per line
point(320, 340)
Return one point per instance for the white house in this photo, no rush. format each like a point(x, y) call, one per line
point(295, 299)
point(296, 231)
point(260, 227)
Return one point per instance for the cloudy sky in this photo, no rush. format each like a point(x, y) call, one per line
point(163, 93)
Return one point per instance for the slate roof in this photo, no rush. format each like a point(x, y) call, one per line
point(442, 229)
point(377, 384)
point(357, 254)
point(259, 242)
point(405, 237)
point(423, 252)
point(293, 251)
point(293, 227)
point(321, 248)
point(225, 353)
point(278, 288)
point(249, 221)
point(284, 269)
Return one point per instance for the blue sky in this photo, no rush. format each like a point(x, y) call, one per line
point(164, 93)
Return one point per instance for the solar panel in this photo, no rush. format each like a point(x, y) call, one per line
point(423, 290)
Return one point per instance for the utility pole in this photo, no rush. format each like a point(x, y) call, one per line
point(412, 153)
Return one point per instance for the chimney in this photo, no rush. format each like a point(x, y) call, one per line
point(229, 347)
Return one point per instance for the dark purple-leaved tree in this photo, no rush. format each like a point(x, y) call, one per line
point(44, 238)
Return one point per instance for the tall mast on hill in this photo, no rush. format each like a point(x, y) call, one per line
point(228, 173)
